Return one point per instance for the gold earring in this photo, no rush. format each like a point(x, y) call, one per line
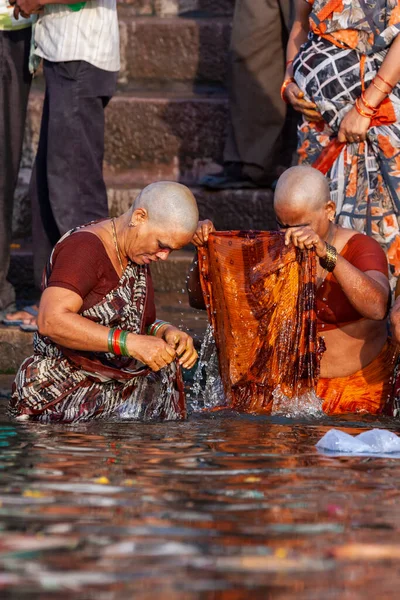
point(132, 224)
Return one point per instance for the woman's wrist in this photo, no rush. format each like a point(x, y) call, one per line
point(329, 260)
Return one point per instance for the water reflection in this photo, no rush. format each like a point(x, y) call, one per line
point(220, 506)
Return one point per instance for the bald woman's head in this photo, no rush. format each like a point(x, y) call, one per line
point(301, 188)
point(170, 205)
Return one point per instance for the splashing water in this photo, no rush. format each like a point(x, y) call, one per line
point(306, 405)
point(207, 390)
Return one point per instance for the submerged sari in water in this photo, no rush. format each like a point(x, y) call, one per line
point(260, 297)
point(57, 384)
point(348, 42)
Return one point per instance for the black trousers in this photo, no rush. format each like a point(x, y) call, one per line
point(67, 188)
point(15, 81)
point(261, 134)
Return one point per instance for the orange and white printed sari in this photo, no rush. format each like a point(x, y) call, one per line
point(348, 42)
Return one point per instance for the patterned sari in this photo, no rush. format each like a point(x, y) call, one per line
point(348, 42)
point(57, 384)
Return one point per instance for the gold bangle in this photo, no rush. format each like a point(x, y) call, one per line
point(329, 262)
point(284, 86)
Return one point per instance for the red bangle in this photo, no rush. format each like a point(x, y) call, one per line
point(284, 86)
point(367, 105)
point(384, 81)
point(289, 62)
point(361, 111)
point(115, 342)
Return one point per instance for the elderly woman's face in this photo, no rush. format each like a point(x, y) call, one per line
point(148, 243)
point(317, 219)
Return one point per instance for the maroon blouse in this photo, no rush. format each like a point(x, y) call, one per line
point(334, 309)
point(82, 265)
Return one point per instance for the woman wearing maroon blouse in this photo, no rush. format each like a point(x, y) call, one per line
point(99, 351)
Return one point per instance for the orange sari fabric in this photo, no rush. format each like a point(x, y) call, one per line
point(369, 390)
point(260, 297)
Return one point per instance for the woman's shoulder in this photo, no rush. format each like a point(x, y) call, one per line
point(365, 253)
point(81, 241)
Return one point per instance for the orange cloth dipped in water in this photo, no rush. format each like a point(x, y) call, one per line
point(260, 297)
point(369, 390)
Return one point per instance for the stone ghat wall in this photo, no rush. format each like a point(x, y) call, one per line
point(168, 119)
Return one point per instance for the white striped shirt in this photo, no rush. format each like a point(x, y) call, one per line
point(90, 34)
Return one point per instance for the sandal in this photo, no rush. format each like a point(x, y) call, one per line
point(31, 310)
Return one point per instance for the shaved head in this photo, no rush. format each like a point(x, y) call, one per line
point(170, 205)
point(301, 188)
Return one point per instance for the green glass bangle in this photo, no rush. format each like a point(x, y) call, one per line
point(122, 342)
point(110, 338)
point(158, 326)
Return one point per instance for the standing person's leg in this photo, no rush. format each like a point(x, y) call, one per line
point(77, 95)
point(257, 68)
point(15, 81)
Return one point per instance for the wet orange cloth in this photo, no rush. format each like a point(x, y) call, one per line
point(260, 297)
point(369, 390)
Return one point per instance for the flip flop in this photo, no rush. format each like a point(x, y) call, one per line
point(28, 327)
point(31, 310)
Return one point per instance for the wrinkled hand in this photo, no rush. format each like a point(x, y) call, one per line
point(395, 320)
point(353, 127)
point(25, 8)
point(204, 228)
point(151, 351)
point(305, 237)
point(295, 97)
point(183, 346)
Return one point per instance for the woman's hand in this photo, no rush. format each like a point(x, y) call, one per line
point(182, 343)
point(305, 237)
point(204, 228)
point(295, 97)
point(353, 127)
point(151, 351)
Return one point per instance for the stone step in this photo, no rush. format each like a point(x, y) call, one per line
point(228, 209)
point(172, 52)
point(165, 51)
point(16, 345)
point(152, 136)
point(165, 8)
point(168, 276)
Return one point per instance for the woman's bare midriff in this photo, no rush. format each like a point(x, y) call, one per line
point(352, 347)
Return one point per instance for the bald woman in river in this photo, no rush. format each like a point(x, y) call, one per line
point(352, 295)
point(99, 345)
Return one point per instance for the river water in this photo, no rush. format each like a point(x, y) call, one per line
point(221, 506)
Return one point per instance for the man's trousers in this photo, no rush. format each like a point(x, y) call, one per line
point(67, 188)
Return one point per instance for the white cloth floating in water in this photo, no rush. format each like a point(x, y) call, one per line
point(375, 442)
